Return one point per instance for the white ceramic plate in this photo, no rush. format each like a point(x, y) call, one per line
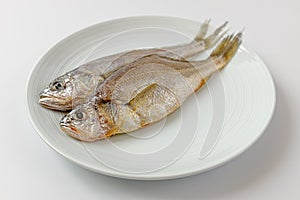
point(214, 126)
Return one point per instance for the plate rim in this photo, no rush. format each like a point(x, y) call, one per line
point(149, 176)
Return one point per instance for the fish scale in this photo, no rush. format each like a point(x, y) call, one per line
point(144, 92)
point(80, 84)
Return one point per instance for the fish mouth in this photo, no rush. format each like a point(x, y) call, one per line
point(70, 130)
point(66, 126)
point(55, 103)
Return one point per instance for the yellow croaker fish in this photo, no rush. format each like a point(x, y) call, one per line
point(143, 92)
point(74, 87)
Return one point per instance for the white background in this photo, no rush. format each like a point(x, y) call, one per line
point(29, 169)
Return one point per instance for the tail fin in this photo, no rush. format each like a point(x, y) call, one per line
point(212, 39)
point(223, 53)
point(203, 30)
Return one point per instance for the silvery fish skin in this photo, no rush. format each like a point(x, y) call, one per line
point(144, 92)
point(74, 87)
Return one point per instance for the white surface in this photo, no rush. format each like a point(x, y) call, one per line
point(31, 170)
point(239, 102)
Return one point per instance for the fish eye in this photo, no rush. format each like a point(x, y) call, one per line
point(79, 115)
point(59, 86)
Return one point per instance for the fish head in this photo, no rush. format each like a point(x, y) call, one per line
point(58, 94)
point(68, 91)
point(87, 122)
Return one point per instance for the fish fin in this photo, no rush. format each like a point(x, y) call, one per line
point(212, 39)
point(154, 103)
point(216, 35)
point(224, 52)
point(202, 31)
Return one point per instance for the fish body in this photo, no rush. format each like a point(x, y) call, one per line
point(144, 92)
point(76, 86)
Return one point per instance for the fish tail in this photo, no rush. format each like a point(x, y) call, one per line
point(200, 43)
point(224, 52)
point(212, 39)
point(202, 31)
